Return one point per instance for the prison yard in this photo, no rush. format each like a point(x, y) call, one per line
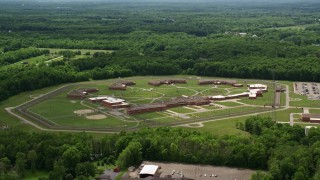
point(112, 104)
point(129, 104)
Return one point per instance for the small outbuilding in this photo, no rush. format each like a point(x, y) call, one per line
point(149, 170)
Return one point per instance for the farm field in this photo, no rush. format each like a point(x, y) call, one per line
point(62, 111)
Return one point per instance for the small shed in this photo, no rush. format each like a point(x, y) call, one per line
point(149, 170)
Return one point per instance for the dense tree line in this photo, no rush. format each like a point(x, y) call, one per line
point(282, 151)
point(20, 54)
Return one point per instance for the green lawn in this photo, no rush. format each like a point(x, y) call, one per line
point(30, 61)
point(166, 120)
point(224, 112)
point(222, 127)
point(209, 107)
point(228, 103)
point(304, 101)
point(181, 110)
point(150, 115)
point(314, 111)
point(61, 112)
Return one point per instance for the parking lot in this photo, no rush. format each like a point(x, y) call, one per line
point(201, 172)
point(312, 90)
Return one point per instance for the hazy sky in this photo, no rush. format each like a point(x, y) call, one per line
point(167, 0)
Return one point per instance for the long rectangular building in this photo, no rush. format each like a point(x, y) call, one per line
point(176, 102)
point(312, 118)
point(219, 82)
point(167, 81)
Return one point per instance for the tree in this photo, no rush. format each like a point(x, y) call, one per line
point(85, 169)
point(131, 155)
point(71, 157)
point(20, 163)
point(32, 157)
point(59, 171)
point(4, 165)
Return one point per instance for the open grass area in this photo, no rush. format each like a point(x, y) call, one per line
point(29, 61)
point(222, 127)
point(314, 111)
point(282, 115)
point(182, 110)
point(228, 103)
point(61, 112)
point(15, 101)
point(224, 112)
point(302, 101)
point(211, 107)
point(150, 115)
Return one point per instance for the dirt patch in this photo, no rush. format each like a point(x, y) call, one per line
point(83, 111)
point(96, 117)
point(73, 102)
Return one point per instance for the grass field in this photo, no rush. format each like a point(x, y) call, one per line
point(30, 61)
point(182, 110)
point(314, 111)
point(61, 112)
point(228, 103)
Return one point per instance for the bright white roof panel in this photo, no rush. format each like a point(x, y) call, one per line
point(149, 169)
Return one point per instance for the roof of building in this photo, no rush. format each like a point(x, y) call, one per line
point(309, 127)
point(98, 98)
point(257, 85)
point(314, 116)
point(218, 97)
point(112, 100)
point(149, 169)
point(255, 91)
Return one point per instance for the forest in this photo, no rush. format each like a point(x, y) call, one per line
point(283, 150)
point(222, 39)
point(249, 40)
